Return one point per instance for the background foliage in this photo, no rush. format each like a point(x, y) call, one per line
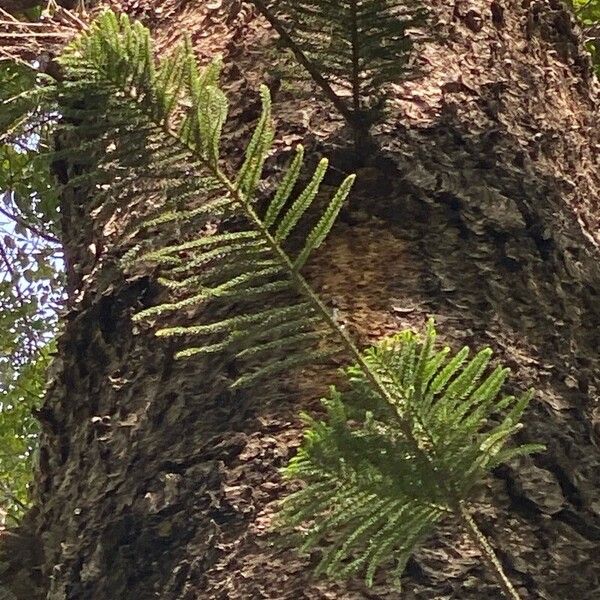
point(21, 394)
point(30, 275)
point(588, 12)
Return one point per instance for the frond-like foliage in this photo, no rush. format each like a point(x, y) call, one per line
point(352, 48)
point(154, 128)
point(369, 496)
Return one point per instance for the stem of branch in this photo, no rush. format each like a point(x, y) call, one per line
point(339, 104)
point(488, 553)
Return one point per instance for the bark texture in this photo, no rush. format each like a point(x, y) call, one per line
point(482, 209)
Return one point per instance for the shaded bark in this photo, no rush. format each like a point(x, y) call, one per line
point(155, 482)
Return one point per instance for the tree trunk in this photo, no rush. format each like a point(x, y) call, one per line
point(155, 482)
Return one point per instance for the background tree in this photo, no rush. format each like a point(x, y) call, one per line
point(588, 13)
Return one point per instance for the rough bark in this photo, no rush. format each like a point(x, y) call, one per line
point(20, 6)
point(482, 209)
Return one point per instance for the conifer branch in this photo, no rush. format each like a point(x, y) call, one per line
point(368, 495)
point(301, 57)
point(302, 285)
point(352, 48)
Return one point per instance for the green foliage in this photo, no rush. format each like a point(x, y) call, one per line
point(353, 49)
point(588, 13)
point(25, 172)
point(164, 122)
point(30, 278)
point(16, 83)
point(19, 395)
point(30, 292)
point(371, 493)
point(25, 123)
point(30, 275)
